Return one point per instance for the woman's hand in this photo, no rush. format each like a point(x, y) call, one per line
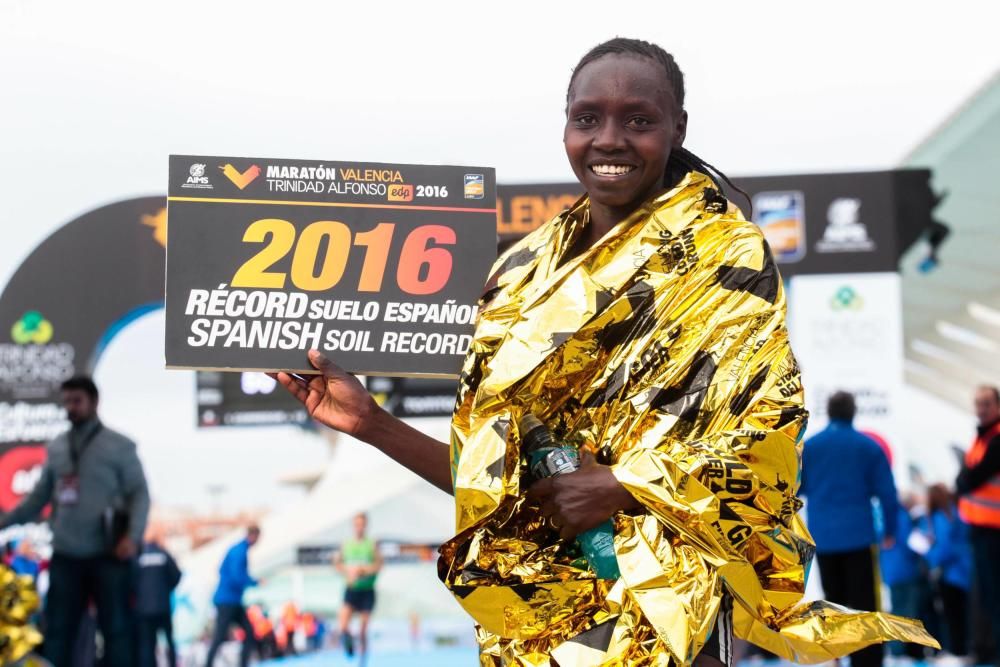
point(335, 398)
point(578, 501)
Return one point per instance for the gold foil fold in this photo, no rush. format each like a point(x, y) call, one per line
point(665, 345)
point(18, 601)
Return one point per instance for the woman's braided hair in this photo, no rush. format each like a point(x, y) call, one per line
point(681, 160)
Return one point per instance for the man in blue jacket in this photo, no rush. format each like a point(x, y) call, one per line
point(842, 471)
point(234, 578)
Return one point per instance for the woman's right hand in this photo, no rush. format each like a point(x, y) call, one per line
point(335, 398)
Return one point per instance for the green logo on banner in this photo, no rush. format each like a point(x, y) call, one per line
point(31, 328)
point(846, 299)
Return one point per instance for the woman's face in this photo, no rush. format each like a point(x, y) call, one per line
point(621, 123)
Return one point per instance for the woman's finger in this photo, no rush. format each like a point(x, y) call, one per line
point(300, 393)
point(324, 365)
point(540, 490)
point(285, 380)
point(548, 508)
point(293, 387)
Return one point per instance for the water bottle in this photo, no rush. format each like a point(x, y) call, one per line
point(547, 458)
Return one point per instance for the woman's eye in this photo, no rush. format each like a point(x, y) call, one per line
point(638, 121)
point(586, 119)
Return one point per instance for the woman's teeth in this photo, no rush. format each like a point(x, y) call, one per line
point(611, 169)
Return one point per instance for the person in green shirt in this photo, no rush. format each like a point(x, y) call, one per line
point(359, 562)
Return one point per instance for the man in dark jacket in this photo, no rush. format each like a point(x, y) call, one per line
point(156, 577)
point(842, 471)
point(978, 486)
point(90, 472)
point(234, 579)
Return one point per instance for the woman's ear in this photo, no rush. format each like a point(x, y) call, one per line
point(680, 129)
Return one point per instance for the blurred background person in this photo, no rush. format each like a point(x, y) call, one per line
point(91, 473)
point(312, 629)
point(978, 488)
point(905, 573)
point(950, 560)
point(843, 470)
point(286, 628)
point(359, 562)
point(25, 559)
point(156, 577)
point(234, 579)
point(263, 633)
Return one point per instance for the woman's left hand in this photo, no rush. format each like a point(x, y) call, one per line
point(578, 501)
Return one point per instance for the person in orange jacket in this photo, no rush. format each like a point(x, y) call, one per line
point(978, 487)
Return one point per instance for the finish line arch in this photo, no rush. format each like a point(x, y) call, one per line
point(64, 304)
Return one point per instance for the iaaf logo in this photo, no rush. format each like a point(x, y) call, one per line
point(781, 217)
point(475, 186)
point(196, 178)
point(844, 230)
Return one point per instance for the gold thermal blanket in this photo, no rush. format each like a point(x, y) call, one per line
point(18, 601)
point(663, 348)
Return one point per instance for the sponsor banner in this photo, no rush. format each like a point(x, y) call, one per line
point(414, 397)
point(20, 469)
point(245, 399)
point(523, 208)
point(814, 223)
point(378, 265)
point(847, 333)
point(826, 223)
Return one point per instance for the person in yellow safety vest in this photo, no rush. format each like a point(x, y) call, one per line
point(978, 486)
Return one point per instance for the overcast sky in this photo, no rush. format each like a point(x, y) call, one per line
point(95, 95)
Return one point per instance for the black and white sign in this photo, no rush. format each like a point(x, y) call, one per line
point(377, 265)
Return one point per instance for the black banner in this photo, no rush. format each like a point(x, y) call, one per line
point(815, 223)
point(245, 399)
point(378, 265)
point(414, 397)
point(825, 223)
point(522, 208)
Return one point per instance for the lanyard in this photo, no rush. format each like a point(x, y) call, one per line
point(76, 450)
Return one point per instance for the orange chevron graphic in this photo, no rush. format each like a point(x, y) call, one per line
point(241, 180)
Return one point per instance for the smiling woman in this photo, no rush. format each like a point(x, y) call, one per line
point(645, 328)
point(622, 122)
